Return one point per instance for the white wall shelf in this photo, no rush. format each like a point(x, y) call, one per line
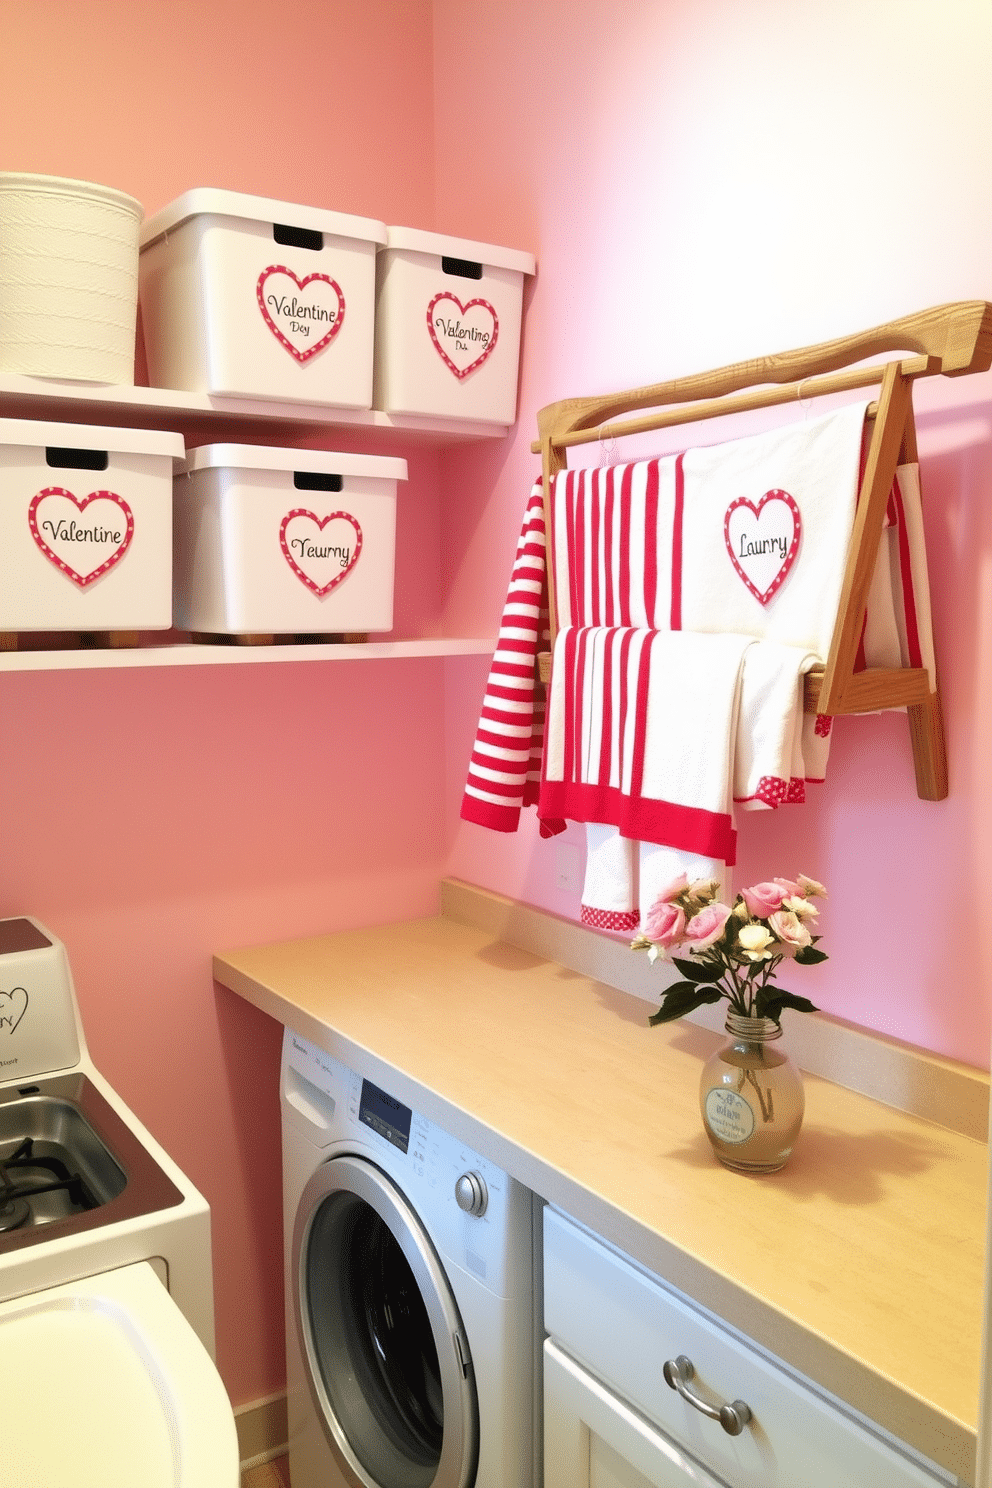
point(201, 417)
point(196, 414)
point(91, 659)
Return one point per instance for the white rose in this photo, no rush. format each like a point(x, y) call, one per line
point(755, 941)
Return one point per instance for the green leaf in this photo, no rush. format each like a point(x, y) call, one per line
point(681, 999)
point(770, 1002)
point(696, 971)
point(809, 955)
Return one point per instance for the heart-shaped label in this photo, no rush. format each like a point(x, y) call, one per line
point(763, 541)
point(304, 315)
point(13, 1006)
point(464, 335)
point(83, 537)
point(321, 551)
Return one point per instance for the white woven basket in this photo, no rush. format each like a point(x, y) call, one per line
point(68, 279)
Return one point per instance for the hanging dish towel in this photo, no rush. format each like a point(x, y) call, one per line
point(642, 505)
point(641, 730)
point(762, 529)
point(645, 732)
point(770, 768)
point(505, 768)
point(612, 544)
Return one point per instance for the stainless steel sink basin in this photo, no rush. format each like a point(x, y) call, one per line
point(68, 1162)
point(45, 1134)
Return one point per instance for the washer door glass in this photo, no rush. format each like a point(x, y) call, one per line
point(386, 1352)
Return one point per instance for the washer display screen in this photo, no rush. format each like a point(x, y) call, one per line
point(385, 1115)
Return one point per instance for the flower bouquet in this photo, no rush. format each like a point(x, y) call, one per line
point(750, 1093)
point(735, 953)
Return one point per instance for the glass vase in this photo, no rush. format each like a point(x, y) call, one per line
point(751, 1097)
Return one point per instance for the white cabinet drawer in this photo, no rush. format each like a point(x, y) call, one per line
point(623, 1325)
point(593, 1440)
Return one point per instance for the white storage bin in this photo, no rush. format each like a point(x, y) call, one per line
point(68, 279)
point(447, 331)
point(246, 297)
point(85, 527)
point(283, 541)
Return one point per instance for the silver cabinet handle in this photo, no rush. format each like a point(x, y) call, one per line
point(733, 1418)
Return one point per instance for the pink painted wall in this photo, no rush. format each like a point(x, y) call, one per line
point(153, 817)
point(699, 183)
point(703, 183)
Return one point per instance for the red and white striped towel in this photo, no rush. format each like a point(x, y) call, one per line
point(613, 530)
point(505, 768)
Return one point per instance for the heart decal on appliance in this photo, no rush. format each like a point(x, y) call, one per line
point(321, 551)
point(13, 1006)
point(82, 536)
point(763, 541)
point(304, 315)
point(464, 335)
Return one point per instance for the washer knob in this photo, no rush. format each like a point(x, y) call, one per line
point(471, 1193)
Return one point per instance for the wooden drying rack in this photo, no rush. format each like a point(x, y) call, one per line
point(952, 340)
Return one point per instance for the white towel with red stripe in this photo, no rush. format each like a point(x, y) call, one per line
point(641, 729)
point(649, 736)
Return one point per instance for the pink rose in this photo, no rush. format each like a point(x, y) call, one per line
point(791, 889)
point(764, 899)
point(707, 926)
point(665, 923)
point(789, 929)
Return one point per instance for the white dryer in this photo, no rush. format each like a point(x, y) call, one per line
point(412, 1320)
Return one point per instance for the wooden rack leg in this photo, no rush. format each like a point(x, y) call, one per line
point(926, 730)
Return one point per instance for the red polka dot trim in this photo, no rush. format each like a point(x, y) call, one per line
point(772, 789)
point(617, 920)
point(823, 725)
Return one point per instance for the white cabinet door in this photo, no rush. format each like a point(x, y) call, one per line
point(593, 1440)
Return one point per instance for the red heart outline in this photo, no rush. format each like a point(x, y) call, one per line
point(463, 310)
point(321, 523)
point(77, 578)
point(301, 284)
point(763, 596)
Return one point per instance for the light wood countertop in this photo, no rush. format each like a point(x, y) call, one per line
point(861, 1264)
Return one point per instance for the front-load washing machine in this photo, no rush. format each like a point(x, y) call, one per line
point(412, 1316)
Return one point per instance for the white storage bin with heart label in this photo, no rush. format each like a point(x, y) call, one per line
point(85, 527)
point(284, 541)
point(242, 296)
point(447, 330)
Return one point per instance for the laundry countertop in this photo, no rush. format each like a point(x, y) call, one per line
point(861, 1264)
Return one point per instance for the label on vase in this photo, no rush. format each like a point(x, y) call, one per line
point(729, 1116)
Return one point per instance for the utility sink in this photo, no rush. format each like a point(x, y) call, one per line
point(68, 1162)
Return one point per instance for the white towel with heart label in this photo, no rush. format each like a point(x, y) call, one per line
point(765, 528)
